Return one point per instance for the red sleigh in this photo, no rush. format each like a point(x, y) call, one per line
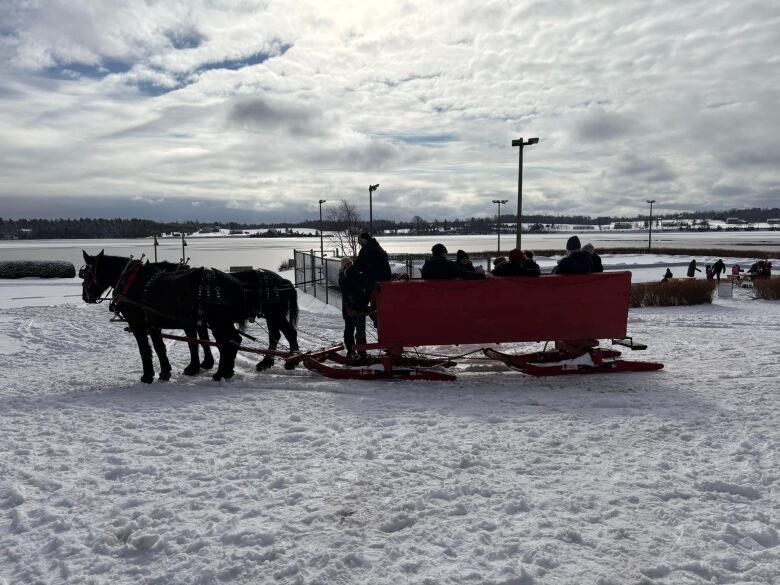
point(418, 313)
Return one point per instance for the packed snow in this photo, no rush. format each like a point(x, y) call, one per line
point(664, 478)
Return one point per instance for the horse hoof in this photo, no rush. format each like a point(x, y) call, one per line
point(264, 364)
point(191, 370)
point(165, 376)
point(207, 364)
point(147, 378)
point(222, 376)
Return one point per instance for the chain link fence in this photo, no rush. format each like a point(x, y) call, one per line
point(319, 276)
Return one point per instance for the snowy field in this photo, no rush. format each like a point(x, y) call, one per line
point(668, 477)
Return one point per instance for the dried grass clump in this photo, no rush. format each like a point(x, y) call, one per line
point(672, 293)
point(767, 288)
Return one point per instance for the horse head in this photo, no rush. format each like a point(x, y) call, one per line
point(95, 281)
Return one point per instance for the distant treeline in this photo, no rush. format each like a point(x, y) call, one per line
point(101, 228)
point(141, 228)
point(484, 225)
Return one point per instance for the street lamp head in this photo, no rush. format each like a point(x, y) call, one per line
point(505, 201)
point(521, 142)
point(323, 201)
point(373, 187)
point(651, 201)
point(532, 141)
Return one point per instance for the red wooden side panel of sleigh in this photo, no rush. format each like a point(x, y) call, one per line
point(547, 308)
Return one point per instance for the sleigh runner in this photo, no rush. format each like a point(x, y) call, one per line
point(585, 308)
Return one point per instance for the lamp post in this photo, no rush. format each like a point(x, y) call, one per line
point(371, 189)
point(322, 245)
point(521, 143)
point(498, 223)
point(650, 223)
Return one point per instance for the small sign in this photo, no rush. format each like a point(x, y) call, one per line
point(725, 290)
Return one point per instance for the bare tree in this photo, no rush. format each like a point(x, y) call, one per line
point(347, 221)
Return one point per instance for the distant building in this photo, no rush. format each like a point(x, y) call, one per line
point(584, 227)
point(774, 221)
point(734, 221)
point(622, 225)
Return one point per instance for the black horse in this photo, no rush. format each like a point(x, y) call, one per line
point(203, 331)
point(151, 299)
point(268, 296)
point(273, 297)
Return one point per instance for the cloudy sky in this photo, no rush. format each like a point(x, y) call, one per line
point(253, 110)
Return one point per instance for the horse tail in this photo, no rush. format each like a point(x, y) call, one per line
point(292, 306)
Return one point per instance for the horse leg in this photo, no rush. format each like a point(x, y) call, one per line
point(227, 342)
point(139, 332)
point(291, 335)
point(208, 358)
point(274, 335)
point(194, 366)
point(162, 353)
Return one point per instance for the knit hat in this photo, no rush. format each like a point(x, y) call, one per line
point(589, 248)
point(573, 244)
point(365, 236)
point(516, 256)
point(439, 250)
point(460, 254)
point(499, 261)
point(528, 254)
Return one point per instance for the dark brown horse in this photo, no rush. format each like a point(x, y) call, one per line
point(151, 299)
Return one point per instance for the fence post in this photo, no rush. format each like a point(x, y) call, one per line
point(327, 283)
point(313, 273)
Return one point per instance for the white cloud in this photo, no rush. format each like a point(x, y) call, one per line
point(269, 105)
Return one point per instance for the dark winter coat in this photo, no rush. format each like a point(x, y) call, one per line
point(597, 265)
point(692, 270)
point(579, 262)
point(372, 261)
point(531, 265)
point(718, 268)
point(439, 268)
point(515, 269)
point(355, 290)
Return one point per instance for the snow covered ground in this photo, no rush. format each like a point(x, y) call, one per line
point(668, 477)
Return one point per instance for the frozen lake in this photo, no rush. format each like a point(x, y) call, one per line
point(270, 252)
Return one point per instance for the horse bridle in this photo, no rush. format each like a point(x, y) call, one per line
point(91, 271)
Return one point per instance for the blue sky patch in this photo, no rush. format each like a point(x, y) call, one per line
point(79, 70)
point(424, 138)
point(255, 59)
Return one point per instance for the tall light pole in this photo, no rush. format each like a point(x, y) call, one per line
point(322, 245)
point(650, 235)
point(521, 143)
point(498, 223)
point(371, 189)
